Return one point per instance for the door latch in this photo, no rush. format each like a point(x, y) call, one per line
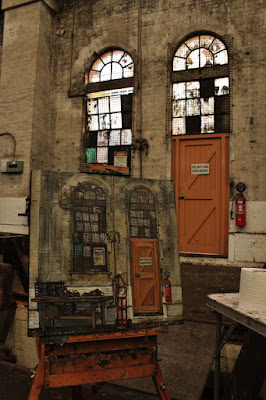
point(137, 275)
point(181, 197)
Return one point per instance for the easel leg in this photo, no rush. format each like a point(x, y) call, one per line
point(160, 385)
point(38, 381)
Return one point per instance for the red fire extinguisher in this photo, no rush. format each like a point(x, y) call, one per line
point(240, 205)
point(167, 290)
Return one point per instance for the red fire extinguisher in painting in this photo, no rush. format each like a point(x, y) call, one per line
point(167, 289)
point(240, 204)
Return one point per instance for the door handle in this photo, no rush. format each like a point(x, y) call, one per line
point(181, 197)
point(137, 275)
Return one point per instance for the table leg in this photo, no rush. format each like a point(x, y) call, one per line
point(38, 380)
point(93, 321)
point(217, 358)
point(103, 313)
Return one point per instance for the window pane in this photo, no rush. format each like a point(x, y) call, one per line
point(207, 106)
point(103, 104)
point(126, 137)
point(106, 73)
point(102, 155)
point(193, 107)
point(207, 124)
point(193, 89)
point(193, 43)
point(104, 122)
point(115, 103)
point(126, 59)
point(206, 41)
point(221, 86)
point(128, 71)
point(221, 58)
point(206, 58)
point(179, 64)
point(114, 138)
point(217, 45)
point(179, 108)
point(93, 123)
point(102, 138)
point(91, 155)
point(179, 91)
point(193, 59)
point(116, 71)
point(182, 51)
point(116, 121)
point(179, 126)
point(94, 76)
point(117, 55)
point(98, 65)
point(92, 106)
point(107, 57)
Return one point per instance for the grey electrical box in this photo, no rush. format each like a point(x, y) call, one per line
point(14, 167)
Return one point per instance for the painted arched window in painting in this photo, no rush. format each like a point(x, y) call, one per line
point(142, 213)
point(89, 229)
point(200, 77)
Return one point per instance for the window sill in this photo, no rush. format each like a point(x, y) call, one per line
point(104, 169)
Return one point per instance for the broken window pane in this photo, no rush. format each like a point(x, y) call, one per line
point(93, 122)
point(104, 122)
point(102, 138)
point(207, 106)
point(128, 71)
point(126, 137)
point(114, 138)
point(193, 107)
point(179, 126)
point(221, 86)
point(126, 60)
point(117, 72)
point(116, 121)
point(102, 155)
point(193, 59)
point(206, 58)
point(92, 106)
point(179, 91)
point(193, 125)
point(179, 108)
point(207, 124)
point(193, 89)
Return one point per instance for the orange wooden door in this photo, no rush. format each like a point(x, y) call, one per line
point(200, 172)
point(147, 296)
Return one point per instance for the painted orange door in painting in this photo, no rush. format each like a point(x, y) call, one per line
point(147, 297)
point(200, 172)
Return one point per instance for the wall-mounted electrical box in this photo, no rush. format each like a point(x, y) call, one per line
point(12, 167)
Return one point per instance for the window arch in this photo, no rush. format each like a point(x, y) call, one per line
point(109, 98)
point(200, 77)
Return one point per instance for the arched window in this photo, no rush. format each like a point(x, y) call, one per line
point(200, 78)
point(89, 229)
point(142, 213)
point(109, 112)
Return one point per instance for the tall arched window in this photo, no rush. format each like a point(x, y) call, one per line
point(109, 112)
point(200, 77)
point(142, 213)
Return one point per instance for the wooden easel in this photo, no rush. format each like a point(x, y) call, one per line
point(99, 357)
